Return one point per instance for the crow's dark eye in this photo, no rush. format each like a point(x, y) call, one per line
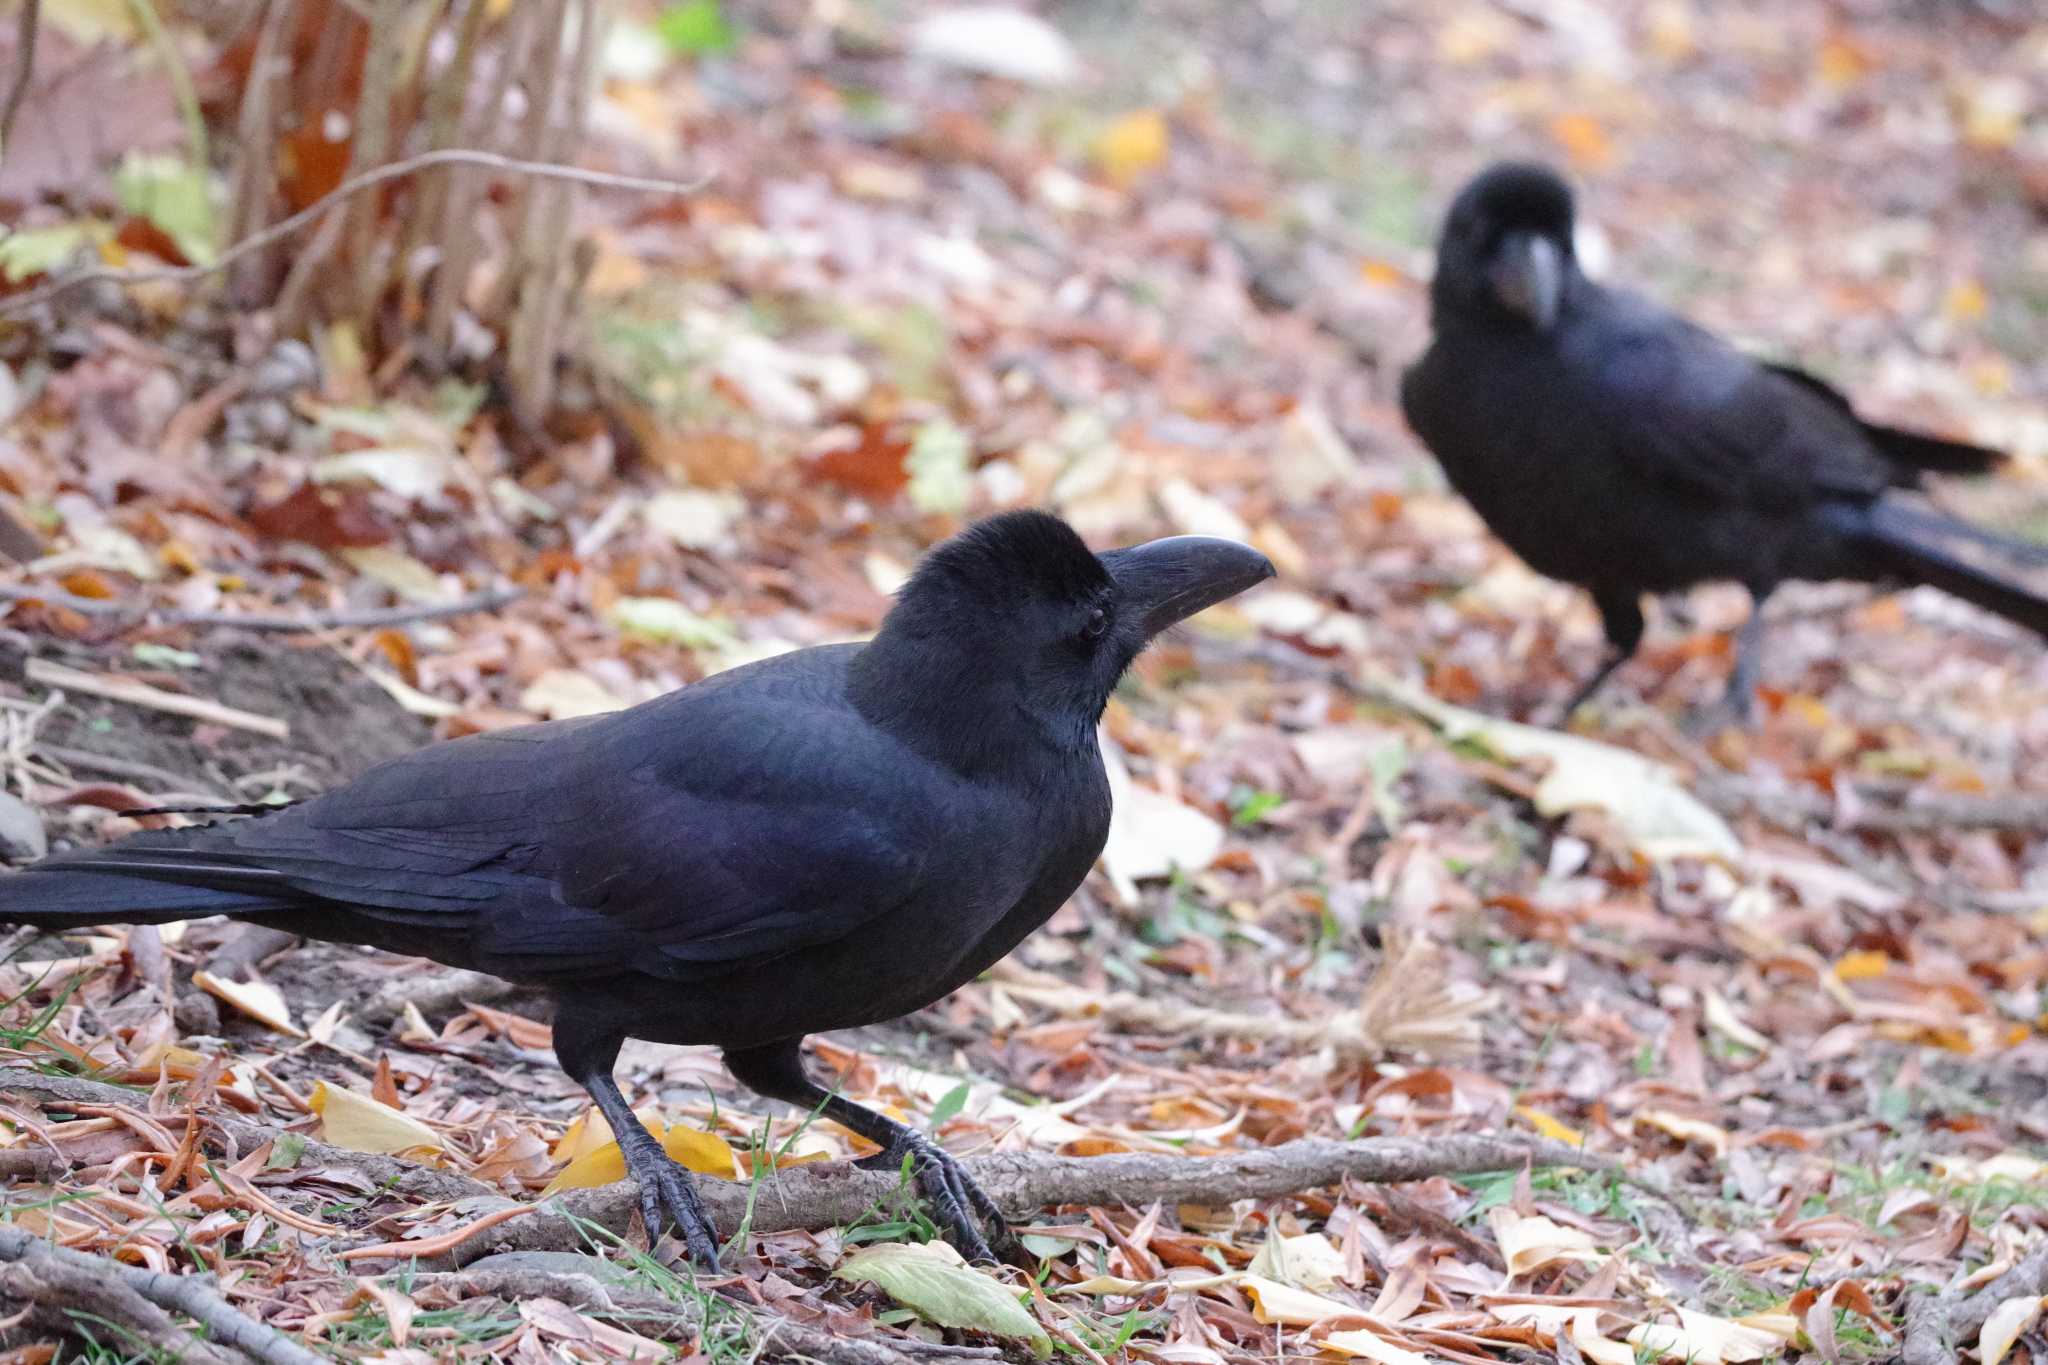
point(1098, 622)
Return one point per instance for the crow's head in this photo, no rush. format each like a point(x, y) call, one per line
point(1506, 248)
point(1016, 614)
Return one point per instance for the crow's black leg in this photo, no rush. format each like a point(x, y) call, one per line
point(963, 1208)
point(666, 1192)
point(1621, 615)
point(1749, 656)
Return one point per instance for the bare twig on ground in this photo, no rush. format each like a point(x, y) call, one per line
point(370, 617)
point(247, 946)
point(832, 1195)
point(517, 1277)
point(433, 991)
point(308, 622)
point(124, 767)
point(155, 698)
point(278, 231)
point(1937, 1325)
point(141, 1300)
point(26, 25)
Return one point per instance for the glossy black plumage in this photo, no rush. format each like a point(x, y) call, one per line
point(825, 839)
point(1614, 445)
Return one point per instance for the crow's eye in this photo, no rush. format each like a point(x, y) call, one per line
point(1098, 622)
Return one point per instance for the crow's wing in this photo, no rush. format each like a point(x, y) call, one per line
point(714, 825)
point(1691, 412)
point(1913, 452)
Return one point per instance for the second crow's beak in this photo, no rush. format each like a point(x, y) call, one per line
point(1528, 278)
point(1163, 582)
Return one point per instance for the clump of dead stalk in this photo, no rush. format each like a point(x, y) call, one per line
point(456, 264)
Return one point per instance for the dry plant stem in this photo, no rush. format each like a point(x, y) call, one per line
point(1937, 1325)
point(545, 281)
point(650, 1315)
point(291, 309)
point(460, 240)
point(277, 232)
point(311, 622)
point(812, 1198)
point(155, 699)
point(256, 138)
point(125, 767)
point(372, 142)
point(27, 25)
point(121, 1293)
point(541, 66)
point(445, 97)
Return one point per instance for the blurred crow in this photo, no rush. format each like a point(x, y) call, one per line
point(1614, 445)
point(822, 840)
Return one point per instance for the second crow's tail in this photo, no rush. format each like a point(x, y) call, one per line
point(1906, 542)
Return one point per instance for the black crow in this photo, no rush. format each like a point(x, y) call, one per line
point(822, 840)
point(1615, 445)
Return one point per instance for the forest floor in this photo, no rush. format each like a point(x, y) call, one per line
point(1791, 981)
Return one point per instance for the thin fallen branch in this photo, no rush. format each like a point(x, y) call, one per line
point(827, 1195)
point(26, 27)
point(1938, 1325)
point(370, 617)
point(307, 622)
point(135, 693)
point(518, 1276)
point(340, 194)
point(123, 1293)
point(123, 767)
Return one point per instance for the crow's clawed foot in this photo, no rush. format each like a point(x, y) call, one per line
point(668, 1197)
point(962, 1208)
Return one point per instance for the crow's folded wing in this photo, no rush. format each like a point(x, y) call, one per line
point(671, 839)
point(1691, 412)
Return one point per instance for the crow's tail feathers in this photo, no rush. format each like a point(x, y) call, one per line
point(1919, 451)
point(1907, 542)
point(139, 885)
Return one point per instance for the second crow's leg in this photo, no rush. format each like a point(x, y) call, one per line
point(777, 1071)
point(1749, 656)
point(588, 1053)
point(1621, 614)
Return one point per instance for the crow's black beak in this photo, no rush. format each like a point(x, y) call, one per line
point(1527, 276)
point(1166, 581)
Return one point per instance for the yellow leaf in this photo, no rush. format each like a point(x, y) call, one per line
point(1809, 710)
point(1841, 64)
point(1966, 301)
point(1672, 35)
point(2007, 1166)
point(1583, 140)
point(604, 1164)
point(259, 1000)
point(1134, 144)
point(1549, 1126)
point(1995, 111)
point(360, 1124)
point(1371, 1346)
point(1861, 965)
point(1530, 1242)
point(1274, 1302)
point(1702, 1339)
point(2005, 1326)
